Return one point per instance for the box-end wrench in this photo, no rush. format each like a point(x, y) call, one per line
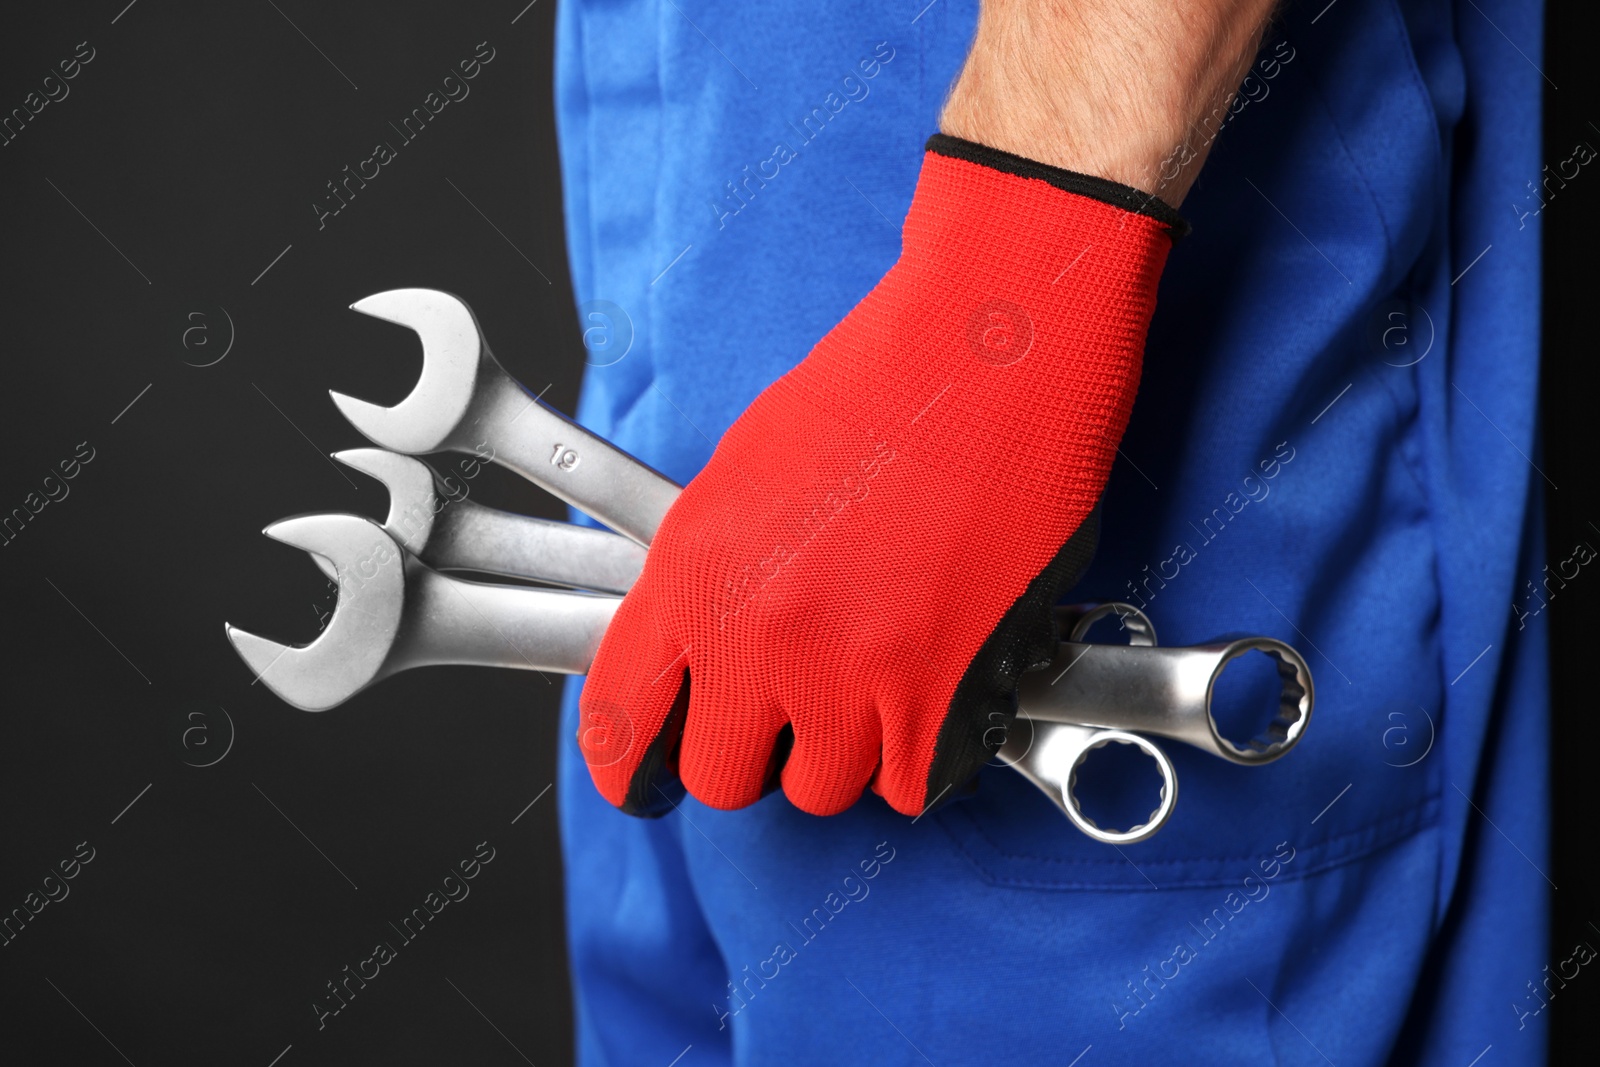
point(453, 533)
point(465, 400)
point(1097, 694)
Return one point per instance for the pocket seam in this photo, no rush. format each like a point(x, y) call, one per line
point(1326, 855)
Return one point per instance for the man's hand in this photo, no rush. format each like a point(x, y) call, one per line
point(849, 591)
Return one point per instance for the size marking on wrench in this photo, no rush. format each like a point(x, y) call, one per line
point(464, 397)
point(459, 534)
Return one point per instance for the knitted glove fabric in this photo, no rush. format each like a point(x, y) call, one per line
point(849, 590)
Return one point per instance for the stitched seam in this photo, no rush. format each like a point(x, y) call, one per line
point(1404, 425)
point(1424, 813)
point(1420, 84)
point(1366, 186)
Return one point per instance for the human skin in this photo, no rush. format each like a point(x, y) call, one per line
point(1109, 88)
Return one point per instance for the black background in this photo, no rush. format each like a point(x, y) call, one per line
point(195, 142)
point(145, 214)
point(1572, 114)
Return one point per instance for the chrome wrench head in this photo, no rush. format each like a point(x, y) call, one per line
point(453, 356)
point(466, 401)
point(395, 613)
point(1049, 755)
point(1296, 697)
point(413, 495)
point(352, 651)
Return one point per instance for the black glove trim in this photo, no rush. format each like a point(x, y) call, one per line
point(654, 790)
point(984, 705)
point(1102, 189)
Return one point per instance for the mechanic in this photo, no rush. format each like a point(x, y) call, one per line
point(803, 688)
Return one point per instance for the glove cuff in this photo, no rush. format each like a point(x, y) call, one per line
point(1102, 189)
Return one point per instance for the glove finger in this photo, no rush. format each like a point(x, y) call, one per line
point(833, 759)
point(729, 739)
point(632, 709)
point(902, 779)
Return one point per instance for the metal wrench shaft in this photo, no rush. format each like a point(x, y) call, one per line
point(465, 401)
point(547, 448)
point(1167, 692)
point(454, 621)
point(451, 532)
point(477, 538)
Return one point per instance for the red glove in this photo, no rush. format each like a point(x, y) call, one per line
point(849, 590)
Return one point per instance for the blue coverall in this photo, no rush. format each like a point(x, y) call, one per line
point(1334, 443)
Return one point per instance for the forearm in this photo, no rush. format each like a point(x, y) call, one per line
point(1112, 88)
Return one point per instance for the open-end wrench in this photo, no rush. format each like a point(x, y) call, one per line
point(454, 533)
point(395, 613)
point(465, 400)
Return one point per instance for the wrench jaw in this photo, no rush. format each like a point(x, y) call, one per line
point(353, 651)
point(1077, 620)
point(454, 354)
point(413, 500)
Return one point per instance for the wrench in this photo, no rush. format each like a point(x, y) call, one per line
point(1163, 691)
point(1167, 691)
point(1093, 695)
point(465, 399)
point(454, 533)
point(460, 378)
point(395, 613)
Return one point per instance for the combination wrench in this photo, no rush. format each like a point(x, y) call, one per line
point(394, 613)
point(454, 533)
point(465, 400)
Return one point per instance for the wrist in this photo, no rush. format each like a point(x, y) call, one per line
point(1105, 190)
point(1114, 93)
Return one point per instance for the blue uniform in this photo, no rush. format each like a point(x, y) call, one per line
point(1334, 443)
